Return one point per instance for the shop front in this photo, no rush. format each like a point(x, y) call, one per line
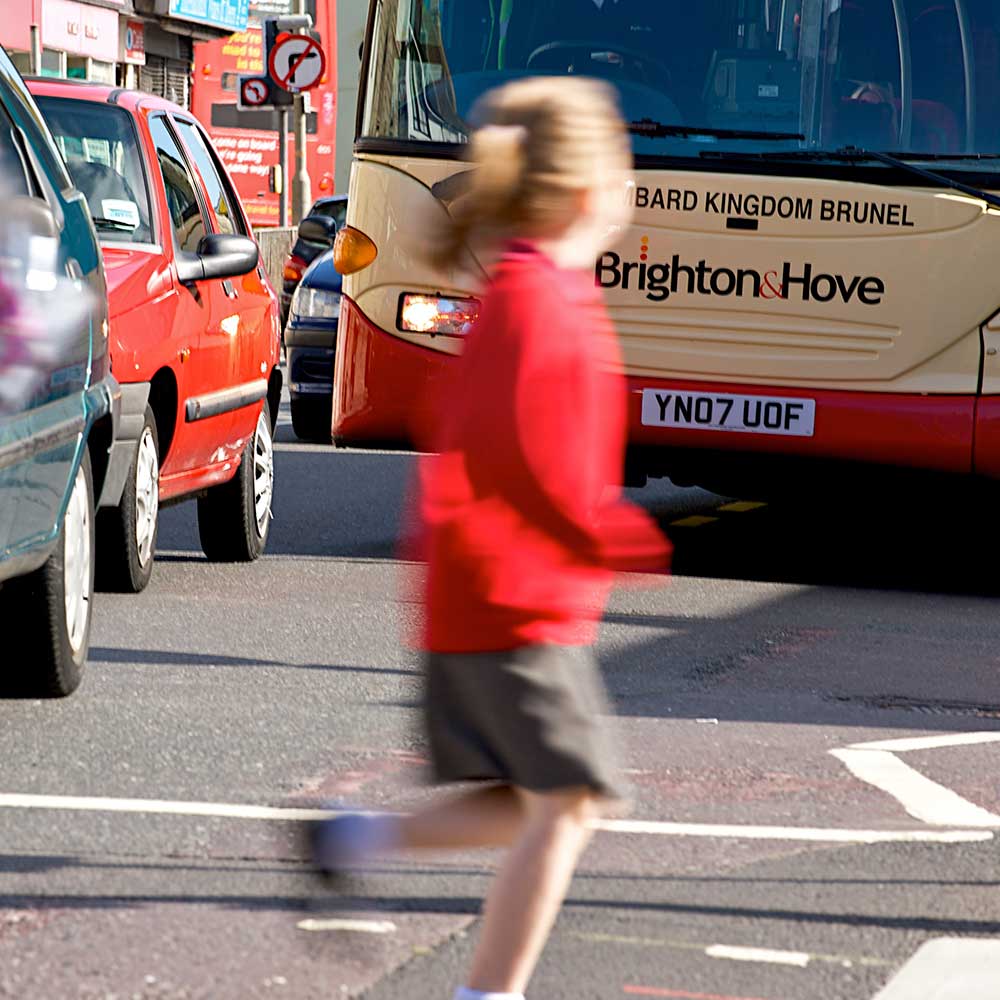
point(144, 44)
point(64, 38)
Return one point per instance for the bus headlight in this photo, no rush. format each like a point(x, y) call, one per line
point(315, 303)
point(436, 314)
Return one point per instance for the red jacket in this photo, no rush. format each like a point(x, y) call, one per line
point(522, 521)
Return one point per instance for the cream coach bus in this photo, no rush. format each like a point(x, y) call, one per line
point(814, 267)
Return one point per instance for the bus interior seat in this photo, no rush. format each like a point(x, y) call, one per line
point(869, 124)
point(862, 107)
point(935, 128)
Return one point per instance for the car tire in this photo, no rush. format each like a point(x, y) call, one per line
point(50, 610)
point(126, 534)
point(311, 419)
point(234, 519)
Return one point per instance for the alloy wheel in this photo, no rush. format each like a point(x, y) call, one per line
point(263, 471)
point(77, 561)
point(147, 496)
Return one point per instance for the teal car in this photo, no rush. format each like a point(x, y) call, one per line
point(59, 405)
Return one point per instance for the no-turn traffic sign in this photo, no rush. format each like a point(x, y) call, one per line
point(297, 62)
point(253, 92)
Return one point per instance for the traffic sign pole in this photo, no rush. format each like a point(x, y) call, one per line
point(283, 160)
point(294, 61)
point(301, 184)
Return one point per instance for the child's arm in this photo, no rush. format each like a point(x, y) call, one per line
point(561, 439)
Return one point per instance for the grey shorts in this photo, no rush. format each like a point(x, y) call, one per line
point(528, 717)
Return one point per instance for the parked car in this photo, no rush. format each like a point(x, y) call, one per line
point(58, 410)
point(310, 339)
point(195, 337)
point(330, 213)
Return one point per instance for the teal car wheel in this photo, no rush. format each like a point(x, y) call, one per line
point(51, 609)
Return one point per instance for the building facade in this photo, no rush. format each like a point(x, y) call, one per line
point(144, 44)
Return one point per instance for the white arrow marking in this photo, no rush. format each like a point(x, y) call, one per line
point(929, 742)
point(919, 796)
point(948, 969)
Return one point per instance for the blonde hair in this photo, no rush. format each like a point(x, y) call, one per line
point(540, 142)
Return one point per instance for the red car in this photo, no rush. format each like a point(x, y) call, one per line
point(195, 340)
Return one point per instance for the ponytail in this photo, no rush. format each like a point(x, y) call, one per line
point(537, 147)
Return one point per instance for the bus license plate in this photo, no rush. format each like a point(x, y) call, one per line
point(721, 411)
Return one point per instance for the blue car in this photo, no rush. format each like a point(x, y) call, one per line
point(310, 340)
point(59, 405)
point(331, 213)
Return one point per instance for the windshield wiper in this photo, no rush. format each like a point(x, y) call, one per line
point(657, 130)
point(945, 156)
point(853, 154)
point(117, 224)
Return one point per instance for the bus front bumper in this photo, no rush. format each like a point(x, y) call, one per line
point(387, 390)
point(930, 433)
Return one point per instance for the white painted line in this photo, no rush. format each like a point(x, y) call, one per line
point(832, 835)
point(948, 969)
point(798, 958)
point(223, 810)
point(930, 742)
point(864, 961)
point(919, 796)
point(226, 810)
point(359, 926)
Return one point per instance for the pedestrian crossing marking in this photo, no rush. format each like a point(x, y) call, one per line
point(922, 798)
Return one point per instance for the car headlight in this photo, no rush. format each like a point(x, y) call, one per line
point(437, 314)
point(315, 303)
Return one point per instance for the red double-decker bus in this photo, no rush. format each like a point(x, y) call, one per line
point(247, 141)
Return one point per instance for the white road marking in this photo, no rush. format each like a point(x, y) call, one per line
point(929, 742)
point(919, 796)
point(360, 926)
point(948, 969)
point(774, 956)
point(226, 810)
point(186, 554)
point(223, 810)
point(833, 835)
point(846, 961)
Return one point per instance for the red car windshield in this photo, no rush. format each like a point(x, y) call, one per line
point(101, 150)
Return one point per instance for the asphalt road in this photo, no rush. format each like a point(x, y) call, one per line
point(789, 630)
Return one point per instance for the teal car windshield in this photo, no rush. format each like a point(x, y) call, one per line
point(913, 77)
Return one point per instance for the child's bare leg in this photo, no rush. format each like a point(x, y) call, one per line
point(525, 898)
point(489, 817)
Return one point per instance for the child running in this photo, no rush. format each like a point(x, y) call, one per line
point(522, 524)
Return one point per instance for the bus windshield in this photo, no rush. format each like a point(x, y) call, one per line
point(918, 78)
